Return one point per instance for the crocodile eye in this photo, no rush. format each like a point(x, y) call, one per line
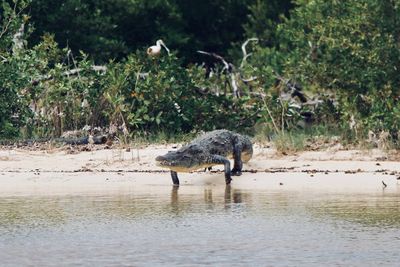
point(196, 149)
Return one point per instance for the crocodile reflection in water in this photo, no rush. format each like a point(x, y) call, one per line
point(230, 198)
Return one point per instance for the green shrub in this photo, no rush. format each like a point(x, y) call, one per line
point(155, 95)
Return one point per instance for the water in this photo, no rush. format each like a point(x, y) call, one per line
point(197, 225)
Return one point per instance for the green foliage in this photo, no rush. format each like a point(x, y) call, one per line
point(81, 25)
point(158, 95)
point(344, 53)
point(113, 29)
point(14, 77)
point(141, 95)
point(12, 104)
point(343, 45)
point(264, 18)
point(351, 48)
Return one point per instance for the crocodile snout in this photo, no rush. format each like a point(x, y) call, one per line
point(161, 161)
point(160, 158)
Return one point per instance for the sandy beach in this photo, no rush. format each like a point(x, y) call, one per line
point(62, 171)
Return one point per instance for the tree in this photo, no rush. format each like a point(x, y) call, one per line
point(112, 29)
point(264, 18)
point(352, 49)
point(13, 106)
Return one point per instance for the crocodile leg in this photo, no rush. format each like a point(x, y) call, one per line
point(237, 160)
point(217, 159)
point(208, 169)
point(175, 179)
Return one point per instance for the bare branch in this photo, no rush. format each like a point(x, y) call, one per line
point(226, 64)
point(252, 78)
point(4, 60)
point(77, 70)
point(234, 84)
point(295, 88)
point(99, 68)
point(68, 73)
point(245, 55)
point(18, 39)
point(229, 67)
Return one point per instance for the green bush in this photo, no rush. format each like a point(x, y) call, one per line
point(344, 53)
point(348, 50)
point(14, 73)
point(155, 95)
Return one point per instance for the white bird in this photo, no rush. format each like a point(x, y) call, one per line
point(155, 50)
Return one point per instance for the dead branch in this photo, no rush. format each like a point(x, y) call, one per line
point(4, 60)
point(18, 41)
point(67, 73)
point(227, 65)
point(230, 68)
point(234, 73)
point(252, 78)
point(295, 88)
point(77, 70)
point(245, 55)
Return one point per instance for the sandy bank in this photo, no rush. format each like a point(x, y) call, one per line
point(115, 170)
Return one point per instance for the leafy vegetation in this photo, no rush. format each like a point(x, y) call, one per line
point(306, 65)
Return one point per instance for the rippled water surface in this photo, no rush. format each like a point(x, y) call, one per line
point(216, 226)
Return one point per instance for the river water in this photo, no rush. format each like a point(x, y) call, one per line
point(201, 225)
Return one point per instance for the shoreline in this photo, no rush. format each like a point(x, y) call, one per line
point(107, 171)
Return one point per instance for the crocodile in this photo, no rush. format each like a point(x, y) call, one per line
point(207, 150)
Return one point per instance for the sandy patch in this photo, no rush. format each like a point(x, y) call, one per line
point(114, 170)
